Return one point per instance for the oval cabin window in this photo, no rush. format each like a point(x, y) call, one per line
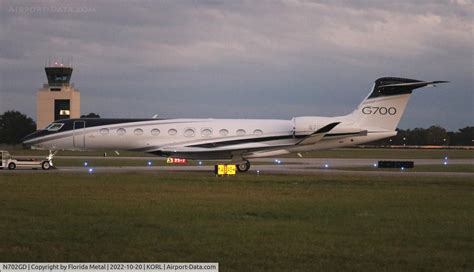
point(172, 132)
point(223, 132)
point(206, 132)
point(138, 131)
point(240, 132)
point(155, 132)
point(104, 131)
point(258, 132)
point(121, 131)
point(189, 132)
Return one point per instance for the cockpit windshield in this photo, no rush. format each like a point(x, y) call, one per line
point(54, 126)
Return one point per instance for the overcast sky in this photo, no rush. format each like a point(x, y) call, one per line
point(233, 59)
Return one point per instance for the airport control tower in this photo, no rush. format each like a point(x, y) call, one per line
point(58, 99)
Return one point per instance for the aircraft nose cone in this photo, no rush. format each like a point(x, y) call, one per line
point(28, 138)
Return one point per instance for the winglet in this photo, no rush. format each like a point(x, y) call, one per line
point(318, 134)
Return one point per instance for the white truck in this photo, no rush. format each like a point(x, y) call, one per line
point(10, 163)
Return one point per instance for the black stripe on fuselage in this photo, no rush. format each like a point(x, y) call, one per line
point(264, 139)
point(243, 141)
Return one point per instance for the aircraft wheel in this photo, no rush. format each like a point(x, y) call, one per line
point(46, 165)
point(243, 167)
point(12, 166)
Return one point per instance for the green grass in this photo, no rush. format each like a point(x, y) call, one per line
point(246, 223)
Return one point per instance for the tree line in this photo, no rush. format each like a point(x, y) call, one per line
point(434, 135)
point(15, 125)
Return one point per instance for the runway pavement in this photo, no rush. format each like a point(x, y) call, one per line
point(320, 166)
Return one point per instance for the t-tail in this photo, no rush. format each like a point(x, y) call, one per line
point(383, 108)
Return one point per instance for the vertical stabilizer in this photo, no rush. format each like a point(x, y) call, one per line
point(384, 106)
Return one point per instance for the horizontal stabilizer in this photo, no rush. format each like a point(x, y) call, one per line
point(318, 134)
point(415, 85)
point(389, 86)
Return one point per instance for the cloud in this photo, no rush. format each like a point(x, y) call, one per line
point(309, 54)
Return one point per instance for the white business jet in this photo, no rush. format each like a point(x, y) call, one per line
point(237, 140)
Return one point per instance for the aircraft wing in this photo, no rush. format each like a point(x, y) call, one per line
point(318, 134)
point(230, 150)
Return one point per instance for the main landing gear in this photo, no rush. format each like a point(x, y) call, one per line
point(243, 166)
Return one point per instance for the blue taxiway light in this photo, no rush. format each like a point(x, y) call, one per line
point(90, 170)
point(326, 165)
point(445, 163)
point(149, 163)
point(86, 164)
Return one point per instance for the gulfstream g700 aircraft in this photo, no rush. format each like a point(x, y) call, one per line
point(237, 140)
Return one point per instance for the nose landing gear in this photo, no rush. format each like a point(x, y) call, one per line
point(50, 159)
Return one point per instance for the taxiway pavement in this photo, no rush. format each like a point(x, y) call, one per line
point(290, 166)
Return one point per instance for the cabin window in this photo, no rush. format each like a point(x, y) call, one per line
point(54, 126)
point(258, 132)
point(121, 131)
point(138, 131)
point(172, 131)
point(206, 132)
point(155, 132)
point(223, 132)
point(240, 132)
point(189, 132)
point(104, 131)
